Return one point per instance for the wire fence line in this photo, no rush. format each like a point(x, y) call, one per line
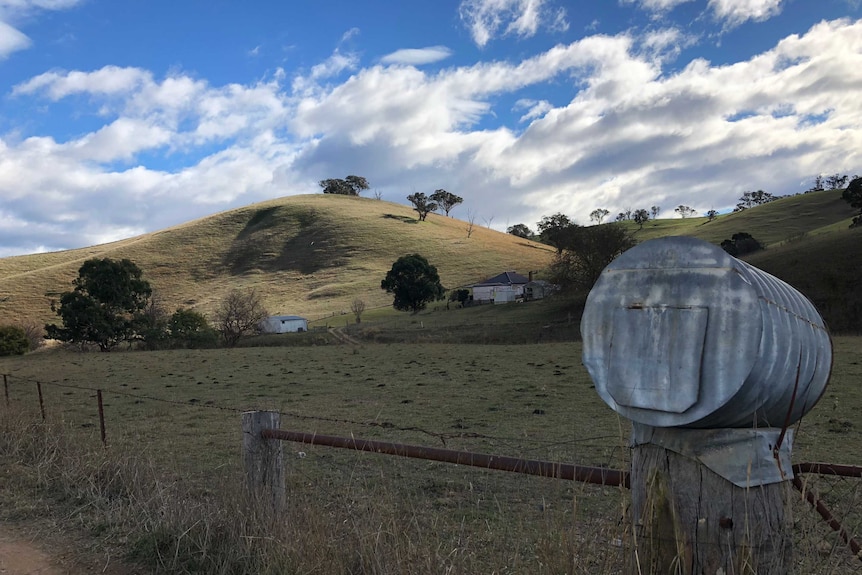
point(9, 380)
point(835, 489)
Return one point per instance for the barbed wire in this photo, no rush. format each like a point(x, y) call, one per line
point(441, 436)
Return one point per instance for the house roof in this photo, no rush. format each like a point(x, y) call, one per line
point(286, 317)
point(503, 279)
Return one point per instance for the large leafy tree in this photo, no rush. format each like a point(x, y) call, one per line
point(752, 199)
point(349, 186)
point(106, 306)
point(414, 282)
point(422, 204)
point(853, 196)
point(556, 230)
point(446, 200)
point(520, 230)
point(587, 251)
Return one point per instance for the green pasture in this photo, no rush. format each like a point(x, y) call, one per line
point(181, 411)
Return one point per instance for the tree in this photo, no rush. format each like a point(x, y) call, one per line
point(588, 251)
point(640, 217)
point(598, 215)
point(446, 200)
point(422, 204)
point(349, 186)
point(836, 181)
point(740, 244)
point(555, 230)
point(190, 329)
point(685, 211)
point(13, 340)
point(752, 199)
point(520, 230)
point(655, 211)
point(239, 314)
point(853, 196)
point(471, 221)
point(357, 306)
point(106, 306)
point(462, 296)
point(711, 215)
point(414, 282)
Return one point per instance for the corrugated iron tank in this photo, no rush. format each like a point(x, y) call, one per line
point(678, 333)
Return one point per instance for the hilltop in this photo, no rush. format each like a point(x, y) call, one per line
point(309, 255)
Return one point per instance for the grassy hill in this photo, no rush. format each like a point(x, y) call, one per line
point(808, 244)
point(312, 255)
point(309, 255)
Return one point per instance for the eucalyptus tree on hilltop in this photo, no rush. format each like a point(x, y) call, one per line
point(446, 200)
point(422, 204)
point(349, 186)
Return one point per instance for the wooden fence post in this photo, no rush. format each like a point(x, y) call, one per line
point(262, 458)
point(689, 520)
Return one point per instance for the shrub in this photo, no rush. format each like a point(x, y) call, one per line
point(740, 244)
point(13, 340)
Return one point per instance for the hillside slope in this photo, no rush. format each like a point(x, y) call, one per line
point(309, 255)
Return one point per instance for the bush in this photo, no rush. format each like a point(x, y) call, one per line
point(741, 244)
point(13, 340)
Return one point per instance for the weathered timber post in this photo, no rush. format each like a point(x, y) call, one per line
point(262, 458)
point(712, 360)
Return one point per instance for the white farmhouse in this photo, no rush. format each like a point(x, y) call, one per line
point(503, 288)
point(284, 324)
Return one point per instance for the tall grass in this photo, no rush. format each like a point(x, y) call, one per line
point(368, 521)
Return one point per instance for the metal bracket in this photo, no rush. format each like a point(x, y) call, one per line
point(745, 457)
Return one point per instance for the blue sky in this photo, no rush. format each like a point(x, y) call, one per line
point(119, 118)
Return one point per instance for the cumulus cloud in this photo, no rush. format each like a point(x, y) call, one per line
point(417, 56)
point(736, 12)
point(626, 132)
point(487, 18)
point(11, 40)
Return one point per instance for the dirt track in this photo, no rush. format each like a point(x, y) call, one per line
point(18, 556)
point(22, 553)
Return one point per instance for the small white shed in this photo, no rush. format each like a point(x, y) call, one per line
point(284, 324)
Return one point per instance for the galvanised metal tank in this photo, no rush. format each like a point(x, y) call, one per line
point(678, 333)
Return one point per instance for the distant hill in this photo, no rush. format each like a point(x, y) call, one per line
point(808, 244)
point(309, 255)
point(312, 255)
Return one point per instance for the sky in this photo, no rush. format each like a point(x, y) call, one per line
point(120, 117)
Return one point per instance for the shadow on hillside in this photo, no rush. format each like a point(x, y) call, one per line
point(405, 219)
point(278, 240)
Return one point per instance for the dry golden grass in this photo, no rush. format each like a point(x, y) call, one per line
point(309, 255)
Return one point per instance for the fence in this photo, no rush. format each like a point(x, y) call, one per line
point(825, 487)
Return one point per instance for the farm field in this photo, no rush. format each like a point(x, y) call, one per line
point(180, 410)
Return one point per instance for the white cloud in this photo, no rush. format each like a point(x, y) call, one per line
point(523, 18)
point(109, 80)
point(11, 40)
point(417, 56)
point(657, 5)
point(736, 12)
point(626, 133)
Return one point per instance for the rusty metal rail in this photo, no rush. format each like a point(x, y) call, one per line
point(596, 475)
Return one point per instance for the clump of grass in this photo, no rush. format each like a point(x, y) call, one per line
point(365, 523)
